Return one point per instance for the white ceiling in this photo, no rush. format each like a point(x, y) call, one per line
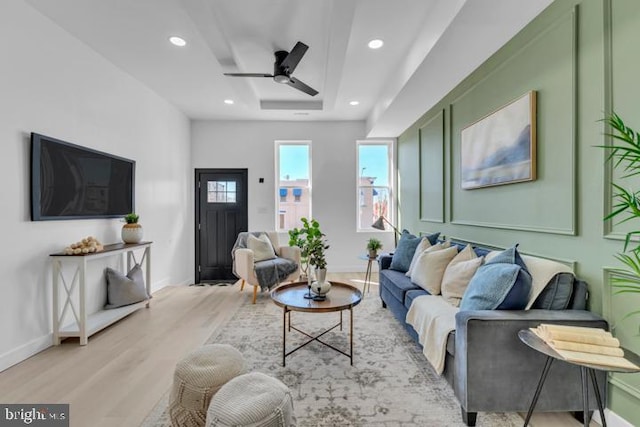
point(430, 45)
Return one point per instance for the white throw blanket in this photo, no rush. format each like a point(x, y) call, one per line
point(433, 318)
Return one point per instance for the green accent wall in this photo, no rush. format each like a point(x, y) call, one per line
point(581, 58)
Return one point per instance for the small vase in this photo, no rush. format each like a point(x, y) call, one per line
point(131, 233)
point(321, 286)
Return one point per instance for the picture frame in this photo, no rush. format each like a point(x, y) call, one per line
point(500, 148)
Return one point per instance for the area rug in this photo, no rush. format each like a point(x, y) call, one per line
point(389, 384)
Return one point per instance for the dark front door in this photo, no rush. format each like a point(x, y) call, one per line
point(221, 213)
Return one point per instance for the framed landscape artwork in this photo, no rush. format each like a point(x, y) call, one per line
point(501, 147)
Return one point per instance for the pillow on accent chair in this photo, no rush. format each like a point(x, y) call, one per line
point(261, 247)
point(502, 283)
point(458, 274)
point(430, 267)
point(125, 290)
point(403, 253)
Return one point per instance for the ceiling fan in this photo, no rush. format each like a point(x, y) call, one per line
point(285, 63)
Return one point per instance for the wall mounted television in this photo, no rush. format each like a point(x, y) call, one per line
point(69, 181)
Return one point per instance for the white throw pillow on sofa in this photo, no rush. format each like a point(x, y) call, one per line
point(425, 246)
point(458, 274)
point(430, 267)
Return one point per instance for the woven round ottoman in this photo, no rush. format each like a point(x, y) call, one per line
point(199, 376)
point(253, 399)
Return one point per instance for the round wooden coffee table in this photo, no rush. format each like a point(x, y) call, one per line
point(291, 298)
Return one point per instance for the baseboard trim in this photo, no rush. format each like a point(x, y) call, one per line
point(613, 419)
point(25, 351)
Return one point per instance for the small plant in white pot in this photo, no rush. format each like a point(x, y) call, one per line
point(132, 230)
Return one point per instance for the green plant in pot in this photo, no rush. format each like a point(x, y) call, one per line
point(312, 243)
point(624, 153)
point(131, 231)
point(373, 246)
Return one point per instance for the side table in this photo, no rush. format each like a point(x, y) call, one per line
point(586, 369)
point(367, 274)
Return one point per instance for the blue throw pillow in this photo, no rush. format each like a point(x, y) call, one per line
point(432, 238)
point(403, 254)
point(503, 283)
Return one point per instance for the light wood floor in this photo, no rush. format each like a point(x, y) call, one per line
point(121, 374)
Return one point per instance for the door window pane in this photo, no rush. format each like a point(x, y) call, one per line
point(221, 191)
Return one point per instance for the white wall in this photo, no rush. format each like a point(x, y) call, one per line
point(53, 84)
point(251, 145)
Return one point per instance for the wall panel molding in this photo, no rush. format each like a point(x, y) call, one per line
point(567, 19)
point(432, 167)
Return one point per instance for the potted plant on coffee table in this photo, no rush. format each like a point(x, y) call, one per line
point(312, 243)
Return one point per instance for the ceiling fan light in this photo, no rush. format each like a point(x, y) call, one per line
point(177, 41)
point(375, 44)
point(281, 79)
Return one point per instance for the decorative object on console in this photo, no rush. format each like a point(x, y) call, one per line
point(379, 225)
point(624, 152)
point(88, 245)
point(501, 147)
point(373, 245)
point(131, 231)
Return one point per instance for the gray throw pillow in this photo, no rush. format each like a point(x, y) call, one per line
point(557, 294)
point(125, 290)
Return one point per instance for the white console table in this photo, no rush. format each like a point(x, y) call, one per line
point(86, 325)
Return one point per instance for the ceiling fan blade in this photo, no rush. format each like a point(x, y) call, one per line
point(248, 75)
point(294, 57)
point(295, 83)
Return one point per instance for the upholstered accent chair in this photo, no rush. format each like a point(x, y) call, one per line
point(264, 273)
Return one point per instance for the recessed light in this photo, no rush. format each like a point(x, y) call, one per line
point(375, 44)
point(178, 41)
point(228, 101)
point(354, 102)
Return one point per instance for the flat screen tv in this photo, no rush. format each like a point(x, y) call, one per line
point(73, 182)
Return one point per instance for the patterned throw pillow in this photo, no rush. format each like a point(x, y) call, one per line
point(503, 283)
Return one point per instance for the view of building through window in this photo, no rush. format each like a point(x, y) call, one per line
point(294, 183)
point(374, 183)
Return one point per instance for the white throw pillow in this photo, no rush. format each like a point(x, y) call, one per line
point(261, 247)
point(430, 267)
point(422, 246)
point(458, 274)
point(425, 246)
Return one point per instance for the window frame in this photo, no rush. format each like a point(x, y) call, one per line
point(390, 143)
point(277, 145)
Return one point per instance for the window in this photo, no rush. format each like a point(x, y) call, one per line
point(293, 178)
point(221, 191)
point(375, 182)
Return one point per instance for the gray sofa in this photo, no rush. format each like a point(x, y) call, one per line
point(486, 364)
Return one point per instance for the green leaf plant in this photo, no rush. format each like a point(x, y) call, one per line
point(312, 244)
point(624, 154)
